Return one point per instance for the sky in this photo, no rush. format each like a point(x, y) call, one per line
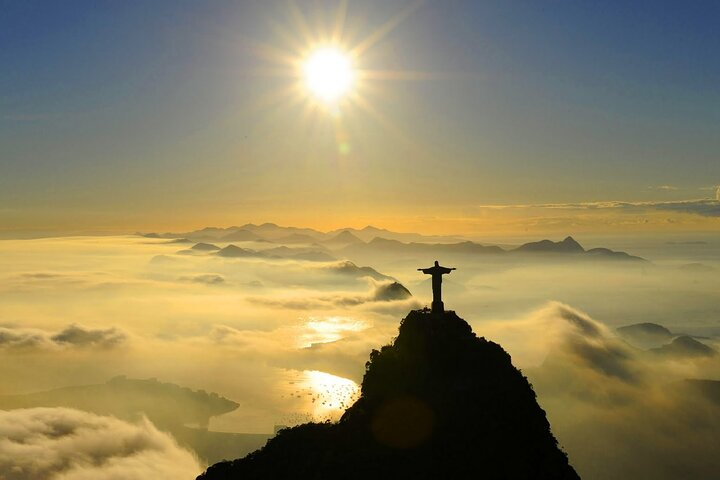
point(502, 121)
point(474, 117)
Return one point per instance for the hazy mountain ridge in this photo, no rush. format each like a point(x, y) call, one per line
point(659, 340)
point(311, 254)
point(279, 234)
point(568, 248)
point(685, 346)
point(437, 403)
point(645, 335)
point(163, 403)
point(168, 406)
point(351, 242)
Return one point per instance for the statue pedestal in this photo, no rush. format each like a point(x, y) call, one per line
point(438, 307)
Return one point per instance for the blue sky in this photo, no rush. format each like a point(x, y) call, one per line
point(126, 114)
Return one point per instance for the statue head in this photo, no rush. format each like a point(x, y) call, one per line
point(436, 263)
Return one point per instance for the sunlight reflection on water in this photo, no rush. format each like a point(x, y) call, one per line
point(320, 396)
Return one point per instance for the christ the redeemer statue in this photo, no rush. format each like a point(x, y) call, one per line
point(437, 272)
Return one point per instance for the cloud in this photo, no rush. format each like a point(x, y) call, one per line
point(67, 444)
point(705, 207)
point(380, 291)
point(23, 337)
point(206, 279)
point(567, 336)
point(667, 188)
point(226, 334)
point(717, 194)
point(619, 412)
point(71, 336)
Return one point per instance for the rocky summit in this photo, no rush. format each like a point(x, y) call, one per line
point(438, 403)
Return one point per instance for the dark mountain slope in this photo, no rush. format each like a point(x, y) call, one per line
point(438, 403)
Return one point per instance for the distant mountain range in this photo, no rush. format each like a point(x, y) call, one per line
point(659, 340)
point(309, 244)
point(311, 254)
point(294, 235)
point(568, 247)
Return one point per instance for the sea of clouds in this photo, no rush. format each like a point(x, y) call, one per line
point(79, 311)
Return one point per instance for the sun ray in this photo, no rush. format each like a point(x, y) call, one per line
point(385, 29)
point(340, 18)
point(323, 55)
point(303, 28)
point(290, 40)
point(389, 125)
point(414, 75)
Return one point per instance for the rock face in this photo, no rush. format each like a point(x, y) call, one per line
point(438, 403)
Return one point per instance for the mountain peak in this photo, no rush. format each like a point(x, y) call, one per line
point(568, 245)
point(345, 237)
point(234, 251)
point(437, 403)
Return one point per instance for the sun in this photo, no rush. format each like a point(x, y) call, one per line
point(328, 74)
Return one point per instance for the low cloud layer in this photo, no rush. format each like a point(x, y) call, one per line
point(379, 292)
point(619, 412)
point(71, 336)
point(67, 444)
point(251, 336)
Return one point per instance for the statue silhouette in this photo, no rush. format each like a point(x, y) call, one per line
point(437, 272)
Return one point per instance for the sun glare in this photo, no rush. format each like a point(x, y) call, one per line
point(328, 74)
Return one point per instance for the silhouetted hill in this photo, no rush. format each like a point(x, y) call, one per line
point(180, 240)
point(165, 404)
point(206, 247)
point(607, 254)
point(362, 245)
point(439, 403)
point(569, 245)
point(685, 347)
point(233, 251)
point(391, 291)
point(350, 269)
point(385, 245)
point(369, 232)
point(343, 238)
point(241, 236)
point(170, 407)
point(646, 335)
point(272, 231)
